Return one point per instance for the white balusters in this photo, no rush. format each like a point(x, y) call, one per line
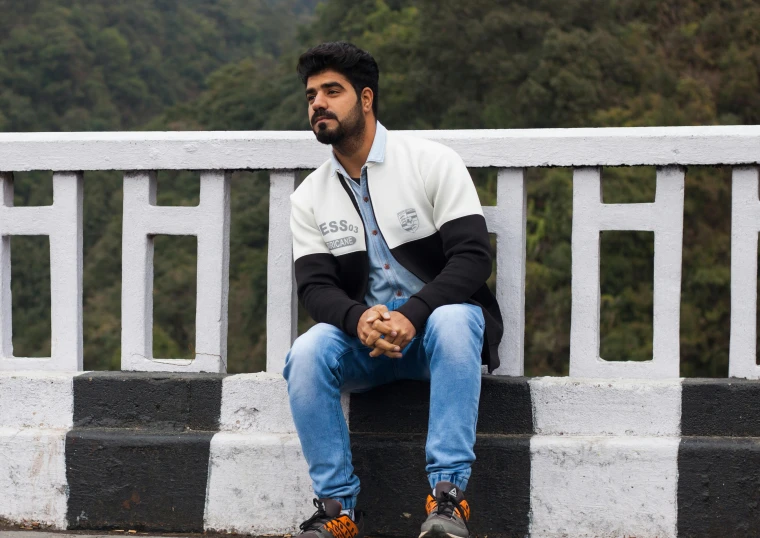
point(210, 222)
point(62, 222)
point(282, 303)
point(507, 221)
point(664, 217)
point(510, 151)
point(745, 223)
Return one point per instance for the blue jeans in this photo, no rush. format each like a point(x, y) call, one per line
point(325, 361)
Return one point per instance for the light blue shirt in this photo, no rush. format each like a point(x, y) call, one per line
point(388, 279)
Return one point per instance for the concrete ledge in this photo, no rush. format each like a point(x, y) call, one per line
point(256, 403)
point(505, 407)
point(43, 400)
point(556, 457)
point(168, 402)
point(721, 407)
point(137, 480)
point(718, 487)
point(258, 483)
point(33, 484)
point(394, 484)
point(565, 406)
point(603, 487)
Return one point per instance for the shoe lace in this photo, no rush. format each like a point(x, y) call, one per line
point(446, 507)
point(317, 517)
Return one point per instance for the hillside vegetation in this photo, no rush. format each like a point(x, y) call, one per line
point(444, 64)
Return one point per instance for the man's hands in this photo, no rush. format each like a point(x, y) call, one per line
point(398, 329)
point(386, 332)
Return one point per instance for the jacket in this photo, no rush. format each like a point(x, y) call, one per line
point(429, 214)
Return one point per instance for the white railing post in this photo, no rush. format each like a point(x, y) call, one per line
point(745, 223)
point(282, 303)
point(507, 220)
point(210, 222)
point(664, 217)
point(62, 222)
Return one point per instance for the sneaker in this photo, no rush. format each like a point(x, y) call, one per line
point(448, 513)
point(327, 522)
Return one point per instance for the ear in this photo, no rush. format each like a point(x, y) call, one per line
point(368, 97)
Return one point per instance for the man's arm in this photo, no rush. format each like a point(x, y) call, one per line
point(317, 274)
point(319, 289)
point(458, 216)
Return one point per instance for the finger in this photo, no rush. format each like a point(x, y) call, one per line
point(400, 338)
point(392, 354)
point(372, 338)
point(401, 341)
point(362, 335)
point(384, 328)
point(382, 310)
point(381, 346)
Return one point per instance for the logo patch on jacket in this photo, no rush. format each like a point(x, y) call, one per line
point(340, 243)
point(408, 220)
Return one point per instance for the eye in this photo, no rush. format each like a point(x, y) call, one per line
point(310, 98)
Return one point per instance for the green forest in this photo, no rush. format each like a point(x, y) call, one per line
point(99, 65)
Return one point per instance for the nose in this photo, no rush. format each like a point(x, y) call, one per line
point(318, 102)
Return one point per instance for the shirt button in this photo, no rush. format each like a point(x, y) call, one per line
point(366, 199)
point(398, 293)
point(386, 266)
point(374, 232)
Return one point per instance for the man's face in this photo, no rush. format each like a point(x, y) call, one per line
point(335, 111)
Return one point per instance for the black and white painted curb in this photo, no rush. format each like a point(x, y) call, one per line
point(555, 456)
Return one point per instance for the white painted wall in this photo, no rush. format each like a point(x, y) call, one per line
point(258, 483)
point(33, 484)
point(36, 411)
point(210, 223)
point(571, 406)
point(603, 487)
point(282, 302)
point(745, 224)
point(62, 222)
point(40, 400)
point(142, 153)
point(664, 217)
point(286, 150)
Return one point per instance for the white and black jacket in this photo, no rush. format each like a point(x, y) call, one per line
point(428, 212)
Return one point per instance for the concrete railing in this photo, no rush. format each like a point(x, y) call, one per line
point(215, 154)
point(575, 457)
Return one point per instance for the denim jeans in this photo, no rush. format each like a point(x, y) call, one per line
point(325, 361)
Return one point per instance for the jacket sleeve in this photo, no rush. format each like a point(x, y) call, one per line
point(316, 273)
point(458, 216)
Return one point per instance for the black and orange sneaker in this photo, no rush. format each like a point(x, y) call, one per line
point(328, 522)
point(448, 513)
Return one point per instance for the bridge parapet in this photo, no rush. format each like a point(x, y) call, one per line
point(215, 154)
point(617, 448)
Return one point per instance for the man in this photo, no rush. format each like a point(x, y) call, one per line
point(391, 257)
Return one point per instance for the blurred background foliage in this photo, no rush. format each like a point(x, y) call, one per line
point(75, 65)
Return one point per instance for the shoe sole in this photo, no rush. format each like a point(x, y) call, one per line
point(437, 532)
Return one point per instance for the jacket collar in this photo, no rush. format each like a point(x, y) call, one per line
point(376, 152)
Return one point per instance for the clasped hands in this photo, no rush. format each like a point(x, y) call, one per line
point(387, 333)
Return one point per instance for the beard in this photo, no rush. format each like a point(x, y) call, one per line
point(348, 131)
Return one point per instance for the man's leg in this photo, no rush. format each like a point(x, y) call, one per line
point(323, 362)
point(447, 352)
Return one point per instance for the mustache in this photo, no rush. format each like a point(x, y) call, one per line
point(322, 115)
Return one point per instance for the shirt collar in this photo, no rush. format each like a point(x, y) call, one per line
point(376, 152)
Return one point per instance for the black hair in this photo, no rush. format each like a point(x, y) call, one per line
point(357, 65)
